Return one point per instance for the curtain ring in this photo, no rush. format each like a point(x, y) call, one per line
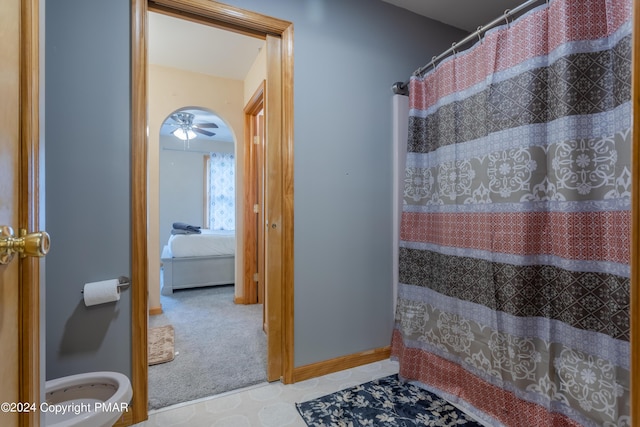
point(479, 31)
point(433, 61)
point(453, 47)
point(506, 17)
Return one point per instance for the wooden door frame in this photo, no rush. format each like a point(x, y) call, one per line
point(253, 166)
point(279, 177)
point(29, 211)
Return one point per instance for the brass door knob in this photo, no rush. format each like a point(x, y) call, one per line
point(28, 244)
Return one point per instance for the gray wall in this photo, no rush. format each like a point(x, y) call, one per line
point(347, 55)
point(87, 172)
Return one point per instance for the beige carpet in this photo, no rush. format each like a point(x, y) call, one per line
point(221, 346)
point(161, 345)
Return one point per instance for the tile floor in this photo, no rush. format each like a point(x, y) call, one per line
point(264, 405)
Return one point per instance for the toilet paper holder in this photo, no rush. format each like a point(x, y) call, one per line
point(123, 283)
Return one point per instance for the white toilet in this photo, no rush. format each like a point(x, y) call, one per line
point(94, 399)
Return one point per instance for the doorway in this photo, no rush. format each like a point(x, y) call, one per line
point(218, 346)
point(278, 184)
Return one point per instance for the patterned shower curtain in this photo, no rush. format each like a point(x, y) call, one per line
point(513, 299)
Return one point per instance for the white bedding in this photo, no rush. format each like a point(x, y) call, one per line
point(209, 242)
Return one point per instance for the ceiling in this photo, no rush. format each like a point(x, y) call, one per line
point(183, 44)
point(476, 12)
point(179, 43)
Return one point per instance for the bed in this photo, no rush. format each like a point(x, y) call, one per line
point(195, 260)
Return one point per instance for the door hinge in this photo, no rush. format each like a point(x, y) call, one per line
point(256, 208)
point(256, 139)
point(255, 277)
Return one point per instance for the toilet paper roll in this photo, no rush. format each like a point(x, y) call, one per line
point(101, 292)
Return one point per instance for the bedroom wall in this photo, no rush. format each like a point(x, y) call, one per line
point(182, 176)
point(169, 90)
point(256, 75)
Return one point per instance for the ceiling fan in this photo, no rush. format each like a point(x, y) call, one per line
point(186, 129)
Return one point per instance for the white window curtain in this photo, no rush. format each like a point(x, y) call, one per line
point(222, 191)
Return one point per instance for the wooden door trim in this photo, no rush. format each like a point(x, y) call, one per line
point(244, 22)
point(139, 261)
point(251, 197)
point(29, 212)
point(274, 224)
point(222, 16)
point(286, 154)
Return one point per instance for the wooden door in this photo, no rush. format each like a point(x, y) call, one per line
point(19, 277)
point(9, 187)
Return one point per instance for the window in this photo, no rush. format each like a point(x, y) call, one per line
point(220, 188)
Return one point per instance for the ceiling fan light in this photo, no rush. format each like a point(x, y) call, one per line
point(184, 135)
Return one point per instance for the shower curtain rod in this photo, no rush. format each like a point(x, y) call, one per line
point(402, 88)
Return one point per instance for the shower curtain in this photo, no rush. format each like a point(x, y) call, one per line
point(513, 294)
